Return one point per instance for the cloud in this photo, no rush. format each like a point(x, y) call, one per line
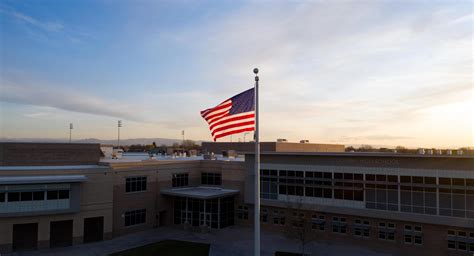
point(47, 26)
point(66, 99)
point(45, 30)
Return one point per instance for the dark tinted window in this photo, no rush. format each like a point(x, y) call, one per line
point(13, 196)
point(63, 194)
point(38, 195)
point(26, 196)
point(52, 195)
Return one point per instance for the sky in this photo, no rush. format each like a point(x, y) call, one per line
point(350, 72)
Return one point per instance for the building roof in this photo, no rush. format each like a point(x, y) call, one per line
point(199, 192)
point(8, 180)
point(361, 154)
point(50, 167)
point(144, 157)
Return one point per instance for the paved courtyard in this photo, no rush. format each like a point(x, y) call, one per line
point(230, 241)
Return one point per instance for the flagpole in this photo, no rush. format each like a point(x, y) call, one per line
point(257, 175)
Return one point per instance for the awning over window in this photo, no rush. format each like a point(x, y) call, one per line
point(11, 180)
point(199, 192)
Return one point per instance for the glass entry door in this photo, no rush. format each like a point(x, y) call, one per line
point(205, 218)
point(188, 218)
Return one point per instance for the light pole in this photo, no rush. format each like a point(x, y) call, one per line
point(244, 135)
point(182, 133)
point(70, 131)
point(119, 124)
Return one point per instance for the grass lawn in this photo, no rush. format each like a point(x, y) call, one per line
point(288, 254)
point(167, 247)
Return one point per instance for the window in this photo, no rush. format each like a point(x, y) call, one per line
point(135, 184)
point(63, 194)
point(458, 240)
point(211, 179)
point(264, 215)
point(2, 197)
point(56, 194)
point(180, 180)
point(318, 184)
point(413, 235)
point(318, 222)
point(242, 212)
point(269, 184)
point(361, 228)
point(279, 218)
point(386, 231)
point(135, 217)
point(339, 225)
point(52, 194)
point(292, 183)
point(26, 196)
point(13, 196)
point(38, 195)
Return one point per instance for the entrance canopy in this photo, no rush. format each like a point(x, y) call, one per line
point(199, 192)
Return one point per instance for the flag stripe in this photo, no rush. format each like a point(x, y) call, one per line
point(218, 110)
point(233, 132)
point(234, 115)
point(224, 119)
point(228, 122)
point(228, 119)
point(239, 124)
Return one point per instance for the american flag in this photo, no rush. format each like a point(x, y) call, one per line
point(232, 116)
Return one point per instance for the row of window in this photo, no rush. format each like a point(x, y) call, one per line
point(34, 195)
point(460, 240)
point(310, 177)
point(413, 194)
point(361, 228)
point(139, 183)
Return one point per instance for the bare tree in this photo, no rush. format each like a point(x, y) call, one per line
point(299, 225)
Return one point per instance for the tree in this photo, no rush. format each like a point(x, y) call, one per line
point(365, 148)
point(299, 227)
point(350, 149)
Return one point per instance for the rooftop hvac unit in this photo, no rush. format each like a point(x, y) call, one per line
point(304, 141)
point(429, 151)
point(282, 140)
point(449, 152)
point(459, 152)
point(439, 152)
point(421, 151)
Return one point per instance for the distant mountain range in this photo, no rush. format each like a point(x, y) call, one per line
point(141, 141)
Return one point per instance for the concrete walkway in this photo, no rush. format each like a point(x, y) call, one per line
point(231, 241)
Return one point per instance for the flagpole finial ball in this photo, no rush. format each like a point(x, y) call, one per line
point(255, 71)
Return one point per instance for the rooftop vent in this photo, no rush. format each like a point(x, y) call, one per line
point(282, 140)
point(304, 141)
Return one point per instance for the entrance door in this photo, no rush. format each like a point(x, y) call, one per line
point(60, 233)
point(162, 218)
point(205, 218)
point(189, 218)
point(25, 236)
point(93, 229)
